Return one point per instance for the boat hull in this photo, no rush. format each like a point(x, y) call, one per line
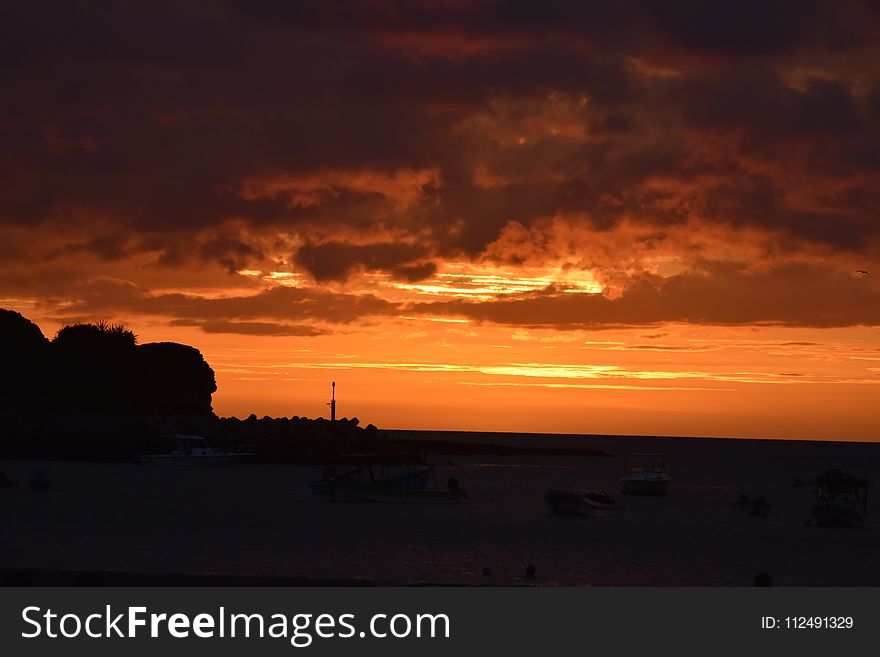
point(565, 503)
point(645, 486)
point(416, 480)
point(836, 514)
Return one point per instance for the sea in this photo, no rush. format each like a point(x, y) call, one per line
point(264, 521)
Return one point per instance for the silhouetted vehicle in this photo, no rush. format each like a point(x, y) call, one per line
point(645, 474)
point(841, 500)
point(591, 503)
point(194, 450)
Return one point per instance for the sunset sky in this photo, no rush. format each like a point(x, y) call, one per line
point(615, 217)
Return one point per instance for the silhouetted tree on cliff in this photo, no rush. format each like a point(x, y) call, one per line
point(93, 368)
point(99, 369)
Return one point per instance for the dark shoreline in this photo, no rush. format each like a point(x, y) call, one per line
point(304, 441)
point(276, 441)
point(27, 577)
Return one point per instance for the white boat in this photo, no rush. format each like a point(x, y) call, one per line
point(841, 500)
point(194, 451)
point(645, 474)
point(591, 503)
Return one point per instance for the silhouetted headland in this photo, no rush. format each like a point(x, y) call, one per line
point(94, 393)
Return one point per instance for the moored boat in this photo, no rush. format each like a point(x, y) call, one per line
point(645, 474)
point(841, 500)
point(189, 450)
point(590, 503)
point(324, 485)
point(395, 478)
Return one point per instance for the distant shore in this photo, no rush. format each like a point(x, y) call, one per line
point(275, 441)
point(299, 440)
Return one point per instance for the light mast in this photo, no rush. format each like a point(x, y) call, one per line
point(332, 402)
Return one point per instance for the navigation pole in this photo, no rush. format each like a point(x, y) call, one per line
point(332, 402)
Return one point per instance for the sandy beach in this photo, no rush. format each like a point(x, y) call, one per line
point(263, 521)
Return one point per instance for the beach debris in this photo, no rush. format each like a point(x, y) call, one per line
point(763, 579)
point(88, 579)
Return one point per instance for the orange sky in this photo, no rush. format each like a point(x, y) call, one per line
point(586, 219)
point(689, 382)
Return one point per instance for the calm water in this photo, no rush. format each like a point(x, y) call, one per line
point(262, 520)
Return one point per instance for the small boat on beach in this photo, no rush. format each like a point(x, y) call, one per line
point(645, 474)
point(192, 450)
point(841, 500)
point(590, 503)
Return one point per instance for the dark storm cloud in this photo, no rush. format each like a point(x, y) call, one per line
point(738, 27)
point(337, 261)
point(274, 329)
point(756, 99)
point(158, 126)
point(794, 296)
point(174, 118)
point(414, 273)
point(233, 253)
point(284, 304)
